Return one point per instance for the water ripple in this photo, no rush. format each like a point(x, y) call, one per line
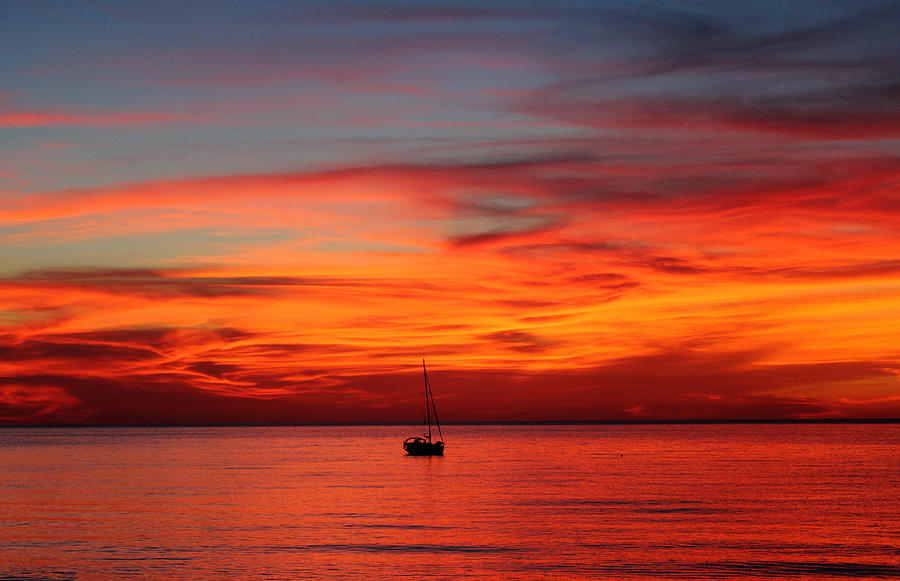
point(402, 548)
point(808, 568)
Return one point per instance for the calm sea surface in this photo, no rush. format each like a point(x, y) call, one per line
point(506, 502)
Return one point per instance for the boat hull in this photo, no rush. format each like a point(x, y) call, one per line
point(421, 447)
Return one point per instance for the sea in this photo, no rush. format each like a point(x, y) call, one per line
point(673, 501)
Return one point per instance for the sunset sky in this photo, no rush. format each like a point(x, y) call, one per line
point(271, 212)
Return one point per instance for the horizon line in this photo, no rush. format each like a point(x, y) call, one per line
point(481, 423)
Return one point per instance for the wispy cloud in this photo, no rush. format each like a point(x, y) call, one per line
point(110, 119)
point(574, 211)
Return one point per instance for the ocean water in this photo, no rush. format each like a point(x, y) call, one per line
point(812, 501)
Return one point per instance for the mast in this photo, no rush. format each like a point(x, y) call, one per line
point(427, 407)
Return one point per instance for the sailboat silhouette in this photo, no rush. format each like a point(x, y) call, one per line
point(423, 445)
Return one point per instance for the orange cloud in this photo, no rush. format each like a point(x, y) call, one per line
point(555, 286)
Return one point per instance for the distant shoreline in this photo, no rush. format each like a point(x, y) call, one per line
point(485, 423)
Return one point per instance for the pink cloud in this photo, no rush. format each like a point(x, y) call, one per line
point(110, 119)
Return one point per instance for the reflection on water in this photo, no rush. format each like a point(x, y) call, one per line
point(523, 502)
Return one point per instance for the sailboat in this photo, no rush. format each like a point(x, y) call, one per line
point(423, 445)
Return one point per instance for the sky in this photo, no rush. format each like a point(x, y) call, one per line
point(242, 212)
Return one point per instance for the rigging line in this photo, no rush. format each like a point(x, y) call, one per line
point(434, 407)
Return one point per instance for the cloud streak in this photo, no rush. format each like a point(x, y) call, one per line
point(676, 211)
